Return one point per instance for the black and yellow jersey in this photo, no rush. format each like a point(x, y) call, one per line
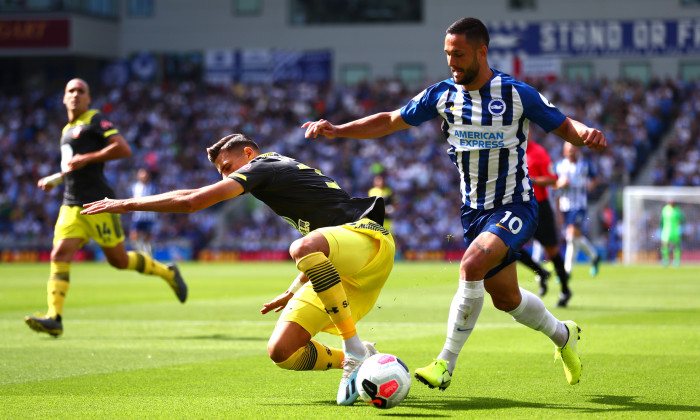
point(87, 133)
point(302, 195)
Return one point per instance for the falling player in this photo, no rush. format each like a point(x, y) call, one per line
point(344, 257)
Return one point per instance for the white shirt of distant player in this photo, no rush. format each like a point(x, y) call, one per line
point(575, 195)
point(139, 189)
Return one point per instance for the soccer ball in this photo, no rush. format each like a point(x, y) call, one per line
point(383, 380)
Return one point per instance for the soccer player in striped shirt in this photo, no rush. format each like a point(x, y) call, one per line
point(142, 221)
point(576, 178)
point(485, 119)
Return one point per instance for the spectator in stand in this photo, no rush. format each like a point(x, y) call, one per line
point(381, 189)
point(163, 124)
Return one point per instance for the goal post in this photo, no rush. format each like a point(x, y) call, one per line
point(641, 238)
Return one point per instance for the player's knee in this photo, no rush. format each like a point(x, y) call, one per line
point(302, 247)
point(58, 255)
point(278, 351)
point(551, 251)
point(472, 268)
point(119, 263)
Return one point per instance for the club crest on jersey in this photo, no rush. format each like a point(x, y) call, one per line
point(106, 125)
point(246, 167)
point(76, 131)
point(497, 107)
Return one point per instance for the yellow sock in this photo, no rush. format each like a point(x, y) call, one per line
point(325, 280)
point(57, 287)
point(313, 356)
point(144, 264)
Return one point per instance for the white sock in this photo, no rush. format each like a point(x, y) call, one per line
point(147, 248)
point(532, 313)
point(537, 251)
point(354, 346)
point(464, 311)
point(587, 247)
point(569, 254)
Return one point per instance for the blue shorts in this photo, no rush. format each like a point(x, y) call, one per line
point(574, 217)
point(514, 223)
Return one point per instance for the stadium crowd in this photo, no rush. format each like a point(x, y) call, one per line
point(168, 126)
point(681, 163)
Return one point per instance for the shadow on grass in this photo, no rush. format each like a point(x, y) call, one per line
point(451, 404)
point(222, 337)
point(627, 403)
point(219, 337)
point(612, 403)
point(473, 403)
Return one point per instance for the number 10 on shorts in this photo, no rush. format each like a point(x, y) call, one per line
point(514, 223)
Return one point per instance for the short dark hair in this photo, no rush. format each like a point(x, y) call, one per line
point(231, 142)
point(472, 28)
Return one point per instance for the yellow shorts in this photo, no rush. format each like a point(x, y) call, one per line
point(363, 254)
point(104, 228)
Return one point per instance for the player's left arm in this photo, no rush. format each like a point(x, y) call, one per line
point(580, 134)
point(179, 201)
point(117, 148)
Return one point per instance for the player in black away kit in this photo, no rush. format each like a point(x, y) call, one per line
point(87, 141)
point(344, 257)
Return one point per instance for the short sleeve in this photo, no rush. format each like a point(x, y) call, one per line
point(103, 126)
point(538, 109)
point(253, 175)
point(421, 108)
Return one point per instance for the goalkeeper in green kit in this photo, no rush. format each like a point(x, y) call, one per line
point(672, 220)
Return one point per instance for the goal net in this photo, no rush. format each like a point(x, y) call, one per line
point(641, 236)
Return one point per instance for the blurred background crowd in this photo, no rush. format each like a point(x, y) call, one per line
point(651, 129)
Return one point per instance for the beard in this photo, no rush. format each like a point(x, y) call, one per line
point(469, 76)
point(470, 73)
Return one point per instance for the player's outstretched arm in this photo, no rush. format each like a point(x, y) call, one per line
point(580, 134)
point(180, 201)
point(371, 127)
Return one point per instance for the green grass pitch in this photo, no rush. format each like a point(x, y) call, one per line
point(130, 350)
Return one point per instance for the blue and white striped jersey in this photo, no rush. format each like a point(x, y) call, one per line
point(487, 131)
point(139, 189)
point(575, 195)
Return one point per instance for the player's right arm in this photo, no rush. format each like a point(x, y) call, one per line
point(179, 201)
point(48, 182)
point(370, 127)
